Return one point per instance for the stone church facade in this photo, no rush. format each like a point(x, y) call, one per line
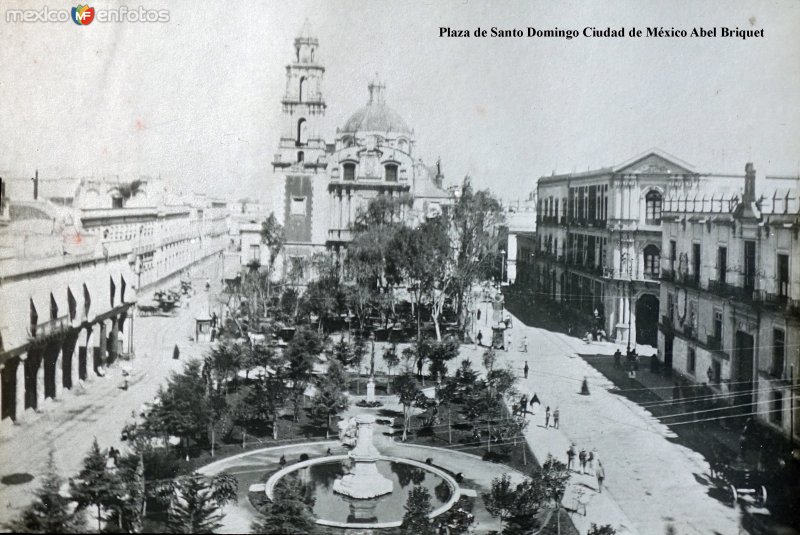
point(322, 185)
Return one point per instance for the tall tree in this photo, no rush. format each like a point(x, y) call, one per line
point(418, 507)
point(96, 486)
point(301, 353)
point(225, 361)
point(329, 400)
point(50, 512)
point(289, 511)
point(476, 220)
point(197, 501)
point(405, 386)
point(184, 408)
point(127, 515)
point(273, 236)
point(392, 360)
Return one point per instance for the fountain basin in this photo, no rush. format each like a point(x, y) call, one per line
point(336, 510)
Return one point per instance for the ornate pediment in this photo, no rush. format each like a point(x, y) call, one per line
point(653, 164)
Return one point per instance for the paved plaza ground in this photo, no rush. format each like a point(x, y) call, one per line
point(651, 482)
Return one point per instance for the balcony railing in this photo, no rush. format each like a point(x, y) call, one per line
point(714, 343)
point(724, 289)
point(344, 234)
point(50, 327)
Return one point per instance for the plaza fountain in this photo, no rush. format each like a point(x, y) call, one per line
point(364, 481)
point(364, 488)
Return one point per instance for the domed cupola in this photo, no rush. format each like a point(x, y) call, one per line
point(376, 116)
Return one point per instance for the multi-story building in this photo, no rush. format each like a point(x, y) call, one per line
point(73, 262)
point(730, 294)
point(321, 186)
point(520, 229)
point(168, 233)
point(65, 301)
point(599, 242)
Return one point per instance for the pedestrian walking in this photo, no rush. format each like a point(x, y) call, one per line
point(479, 314)
point(582, 456)
point(590, 461)
point(523, 403)
point(595, 456)
point(600, 473)
point(525, 369)
point(617, 359)
point(507, 342)
point(480, 338)
point(176, 353)
point(571, 456)
point(555, 418)
point(525, 346)
point(547, 417)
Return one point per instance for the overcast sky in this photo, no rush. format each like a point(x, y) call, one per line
point(196, 99)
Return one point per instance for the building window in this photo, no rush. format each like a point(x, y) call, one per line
point(690, 360)
point(349, 171)
point(750, 264)
point(653, 208)
point(302, 132)
point(673, 254)
point(776, 408)
point(255, 252)
point(783, 275)
point(296, 270)
point(696, 263)
point(716, 372)
point(300, 156)
point(391, 173)
point(652, 261)
point(778, 352)
point(116, 202)
point(718, 325)
point(298, 206)
point(300, 89)
point(722, 263)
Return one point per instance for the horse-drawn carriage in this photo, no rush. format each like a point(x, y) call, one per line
point(740, 480)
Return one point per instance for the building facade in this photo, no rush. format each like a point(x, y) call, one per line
point(598, 243)
point(322, 186)
point(65, 311)
point(73, 262)
point(730, 295)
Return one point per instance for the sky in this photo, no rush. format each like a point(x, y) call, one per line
point(196, 100)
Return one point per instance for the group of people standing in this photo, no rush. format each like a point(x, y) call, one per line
point(589, 463)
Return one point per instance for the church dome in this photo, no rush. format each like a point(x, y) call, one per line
point(376, 116)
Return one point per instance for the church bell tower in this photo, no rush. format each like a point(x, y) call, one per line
point(303, 106)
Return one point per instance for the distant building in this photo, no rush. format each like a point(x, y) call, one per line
point(730, 294)
point(72, 264)
point(599, 242)
point(520, 232)
point(322, 186)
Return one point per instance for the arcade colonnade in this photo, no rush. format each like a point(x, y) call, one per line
point(62, 357)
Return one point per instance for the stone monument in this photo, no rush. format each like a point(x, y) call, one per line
point(371, 390)
point(363, 481)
